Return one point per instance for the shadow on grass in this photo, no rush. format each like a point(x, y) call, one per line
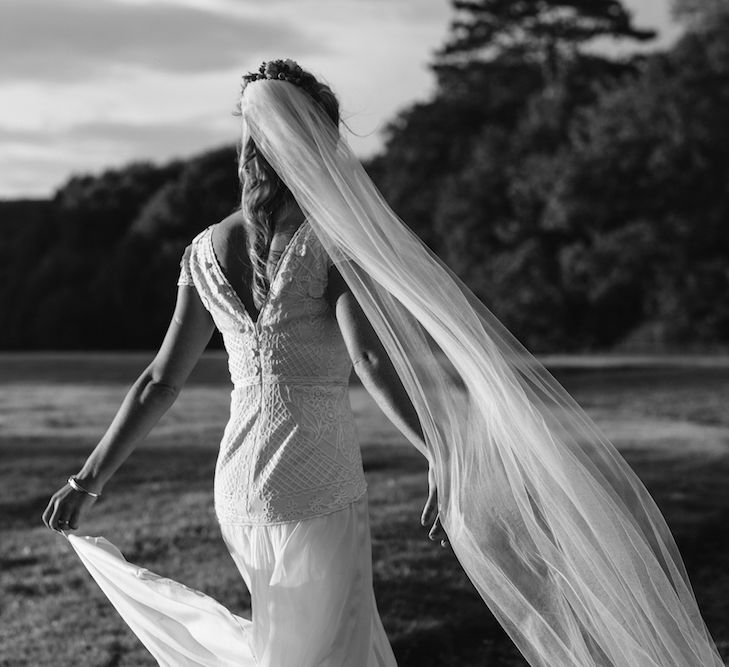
point(391, 458)
point(35, 468)
point(432, 613)
point(692, 494)
point(435, 617)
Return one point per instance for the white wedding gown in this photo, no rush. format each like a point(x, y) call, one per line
point(290, 492)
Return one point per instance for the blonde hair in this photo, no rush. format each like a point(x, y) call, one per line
point(264, 194)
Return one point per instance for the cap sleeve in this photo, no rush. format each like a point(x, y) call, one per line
point(185, 277)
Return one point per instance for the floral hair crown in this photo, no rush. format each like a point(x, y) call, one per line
point(283, 70)
point(290, 71)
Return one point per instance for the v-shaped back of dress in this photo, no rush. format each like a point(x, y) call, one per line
point(290, 449)
point(218, 266)
point(295, 335)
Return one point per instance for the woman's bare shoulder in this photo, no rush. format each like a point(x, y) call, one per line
point(232, 221)
point(231, 225)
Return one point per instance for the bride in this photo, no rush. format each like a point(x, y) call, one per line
point(316, 276)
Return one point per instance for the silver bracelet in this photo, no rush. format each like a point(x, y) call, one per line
point(77, 487)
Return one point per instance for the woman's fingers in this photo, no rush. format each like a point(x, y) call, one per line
point(73, 519)
point(52, 513)
point(55, 518)
point(48, 513)
point(431, 507)
point(438, 533)
point(436, 530)
point(430, 512)
point(63, 511)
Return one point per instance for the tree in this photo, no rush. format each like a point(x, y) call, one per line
point(142, 274)
point(430, 141)
point(549, 33)
point(644, 198)
point(698, 14)
point(474, 169)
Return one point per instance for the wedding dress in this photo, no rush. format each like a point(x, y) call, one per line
point(290, 492)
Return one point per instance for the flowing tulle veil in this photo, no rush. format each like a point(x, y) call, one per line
point(556, 532)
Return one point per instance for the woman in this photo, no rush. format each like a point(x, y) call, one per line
point(290, 492)
point(556, 533)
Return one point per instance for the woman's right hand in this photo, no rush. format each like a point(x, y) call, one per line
point(65, 509)
point(431, 514)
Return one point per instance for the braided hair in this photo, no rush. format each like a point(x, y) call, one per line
point(264, 195)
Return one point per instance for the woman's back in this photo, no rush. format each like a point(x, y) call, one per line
point(290, 449)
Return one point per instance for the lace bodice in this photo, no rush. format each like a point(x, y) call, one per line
point(290, 448)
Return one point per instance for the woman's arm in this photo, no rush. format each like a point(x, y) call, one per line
point(147, 400)
point(379, 377)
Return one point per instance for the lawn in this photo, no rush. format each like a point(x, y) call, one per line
point(668, 416)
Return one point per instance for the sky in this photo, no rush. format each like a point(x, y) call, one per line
point(91, 84)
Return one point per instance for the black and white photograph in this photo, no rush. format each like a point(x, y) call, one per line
point(364, 333)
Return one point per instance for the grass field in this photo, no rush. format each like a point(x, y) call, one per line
point(669, 417)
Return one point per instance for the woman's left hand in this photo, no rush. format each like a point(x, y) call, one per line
point(430, 512)
point(65, 509)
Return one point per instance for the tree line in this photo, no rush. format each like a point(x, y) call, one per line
point(583, 197)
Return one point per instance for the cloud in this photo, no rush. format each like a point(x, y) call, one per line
point(151, 139)
point(89, 84)
point(33, 162)
point(48, 40)
point(11, 136)
point(35, 176)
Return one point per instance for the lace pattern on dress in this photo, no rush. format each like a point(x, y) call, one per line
point(185, 277)
point(290, 448)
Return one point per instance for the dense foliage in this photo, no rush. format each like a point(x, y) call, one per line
point(95, 267)
point(586, 202)
point(584, 198)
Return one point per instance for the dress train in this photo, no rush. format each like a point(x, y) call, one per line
point(311, 590)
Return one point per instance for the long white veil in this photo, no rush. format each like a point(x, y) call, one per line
point(556, 532)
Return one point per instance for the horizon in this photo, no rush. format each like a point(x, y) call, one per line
point(122, 73)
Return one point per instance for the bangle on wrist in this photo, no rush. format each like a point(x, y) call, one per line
point(77, 487)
